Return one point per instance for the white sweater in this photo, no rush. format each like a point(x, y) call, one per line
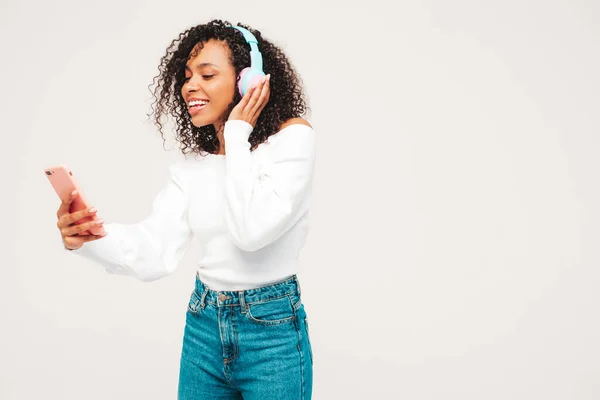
point(248, 210)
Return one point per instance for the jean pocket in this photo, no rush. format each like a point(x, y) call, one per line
point(271, 312)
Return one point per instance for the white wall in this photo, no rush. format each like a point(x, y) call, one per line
point(453, 249)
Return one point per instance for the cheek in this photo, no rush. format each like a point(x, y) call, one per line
point(224, 91)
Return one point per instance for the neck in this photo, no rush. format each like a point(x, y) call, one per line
point(219, 129)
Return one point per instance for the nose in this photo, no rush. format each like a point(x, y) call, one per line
point(191, 88)
point(192, 84)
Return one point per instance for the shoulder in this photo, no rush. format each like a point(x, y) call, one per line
point(294, 129)
point(294, 121)
point(295, 139)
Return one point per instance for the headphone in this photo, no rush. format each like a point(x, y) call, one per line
point(254, 72)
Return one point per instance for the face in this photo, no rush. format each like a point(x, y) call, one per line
point(210, 78)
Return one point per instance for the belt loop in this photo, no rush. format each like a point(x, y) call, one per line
point(242, 301)
point(202, 305)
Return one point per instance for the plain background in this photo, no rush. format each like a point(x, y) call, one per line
point(453, 252)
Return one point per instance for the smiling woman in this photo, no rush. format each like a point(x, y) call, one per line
point(236, 101)
point(205, 64)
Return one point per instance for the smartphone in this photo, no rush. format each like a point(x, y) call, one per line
point(64, 183)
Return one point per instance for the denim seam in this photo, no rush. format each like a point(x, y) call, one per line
point(252, 302)
point(269, 321)
point(288, 281)
point(299, 347)
point(229, 377)
point(193, 303)
point(308, 340)
point(272, 321)
point(235, 344)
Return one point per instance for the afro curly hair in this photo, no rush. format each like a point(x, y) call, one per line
point(286, 99)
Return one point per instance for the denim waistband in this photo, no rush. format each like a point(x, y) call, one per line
point(287, 286)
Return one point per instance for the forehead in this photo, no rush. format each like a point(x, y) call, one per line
point(213, 51)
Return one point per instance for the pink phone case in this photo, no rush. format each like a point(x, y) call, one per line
point(62, 180)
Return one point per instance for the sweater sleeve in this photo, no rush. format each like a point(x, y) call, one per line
point(152, 248)
point(265, 199)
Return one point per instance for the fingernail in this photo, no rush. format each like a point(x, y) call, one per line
point(269, 77)
point(74, 192)
point(99, 221)
point(93, 210)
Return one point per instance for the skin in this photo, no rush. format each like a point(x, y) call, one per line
point(68, 231)
point(211, 76)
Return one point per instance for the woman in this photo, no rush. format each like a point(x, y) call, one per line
point(245, 196)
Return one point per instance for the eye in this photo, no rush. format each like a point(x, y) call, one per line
point(206, 77)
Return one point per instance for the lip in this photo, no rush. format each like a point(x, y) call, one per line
point(196, 109)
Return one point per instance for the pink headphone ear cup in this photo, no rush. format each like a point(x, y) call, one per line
point(248, 77)
point(241, 80)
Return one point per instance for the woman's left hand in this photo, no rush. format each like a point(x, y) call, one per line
point(256, 98)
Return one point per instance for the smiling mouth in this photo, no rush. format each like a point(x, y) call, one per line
point(193, 110)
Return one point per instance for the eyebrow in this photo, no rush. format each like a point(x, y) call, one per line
point(206, 64)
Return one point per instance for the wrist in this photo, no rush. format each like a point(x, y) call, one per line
point(237, 130)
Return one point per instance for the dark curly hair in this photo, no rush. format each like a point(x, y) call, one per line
point(286, 99)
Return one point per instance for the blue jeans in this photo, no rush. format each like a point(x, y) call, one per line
point(251, 344)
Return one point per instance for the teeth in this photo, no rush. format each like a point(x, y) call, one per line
point(197, 102)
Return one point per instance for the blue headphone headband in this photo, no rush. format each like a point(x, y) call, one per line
point(256, 61)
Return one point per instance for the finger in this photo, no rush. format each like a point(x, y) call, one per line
point(255, 96)
point(76, 229)
point(262, 101)
point(264, 97)
point(241, 106)
point(90, 238)
point(74, 242)
point(247, 96)
point(67, 219)
point(66, 204)
point(268, 96)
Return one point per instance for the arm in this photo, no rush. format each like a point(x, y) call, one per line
point(265, 200)
point(152, 248)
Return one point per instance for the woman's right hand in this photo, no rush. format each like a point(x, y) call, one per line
point(70, 231)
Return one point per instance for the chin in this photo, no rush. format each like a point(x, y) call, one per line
point(200, 122)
